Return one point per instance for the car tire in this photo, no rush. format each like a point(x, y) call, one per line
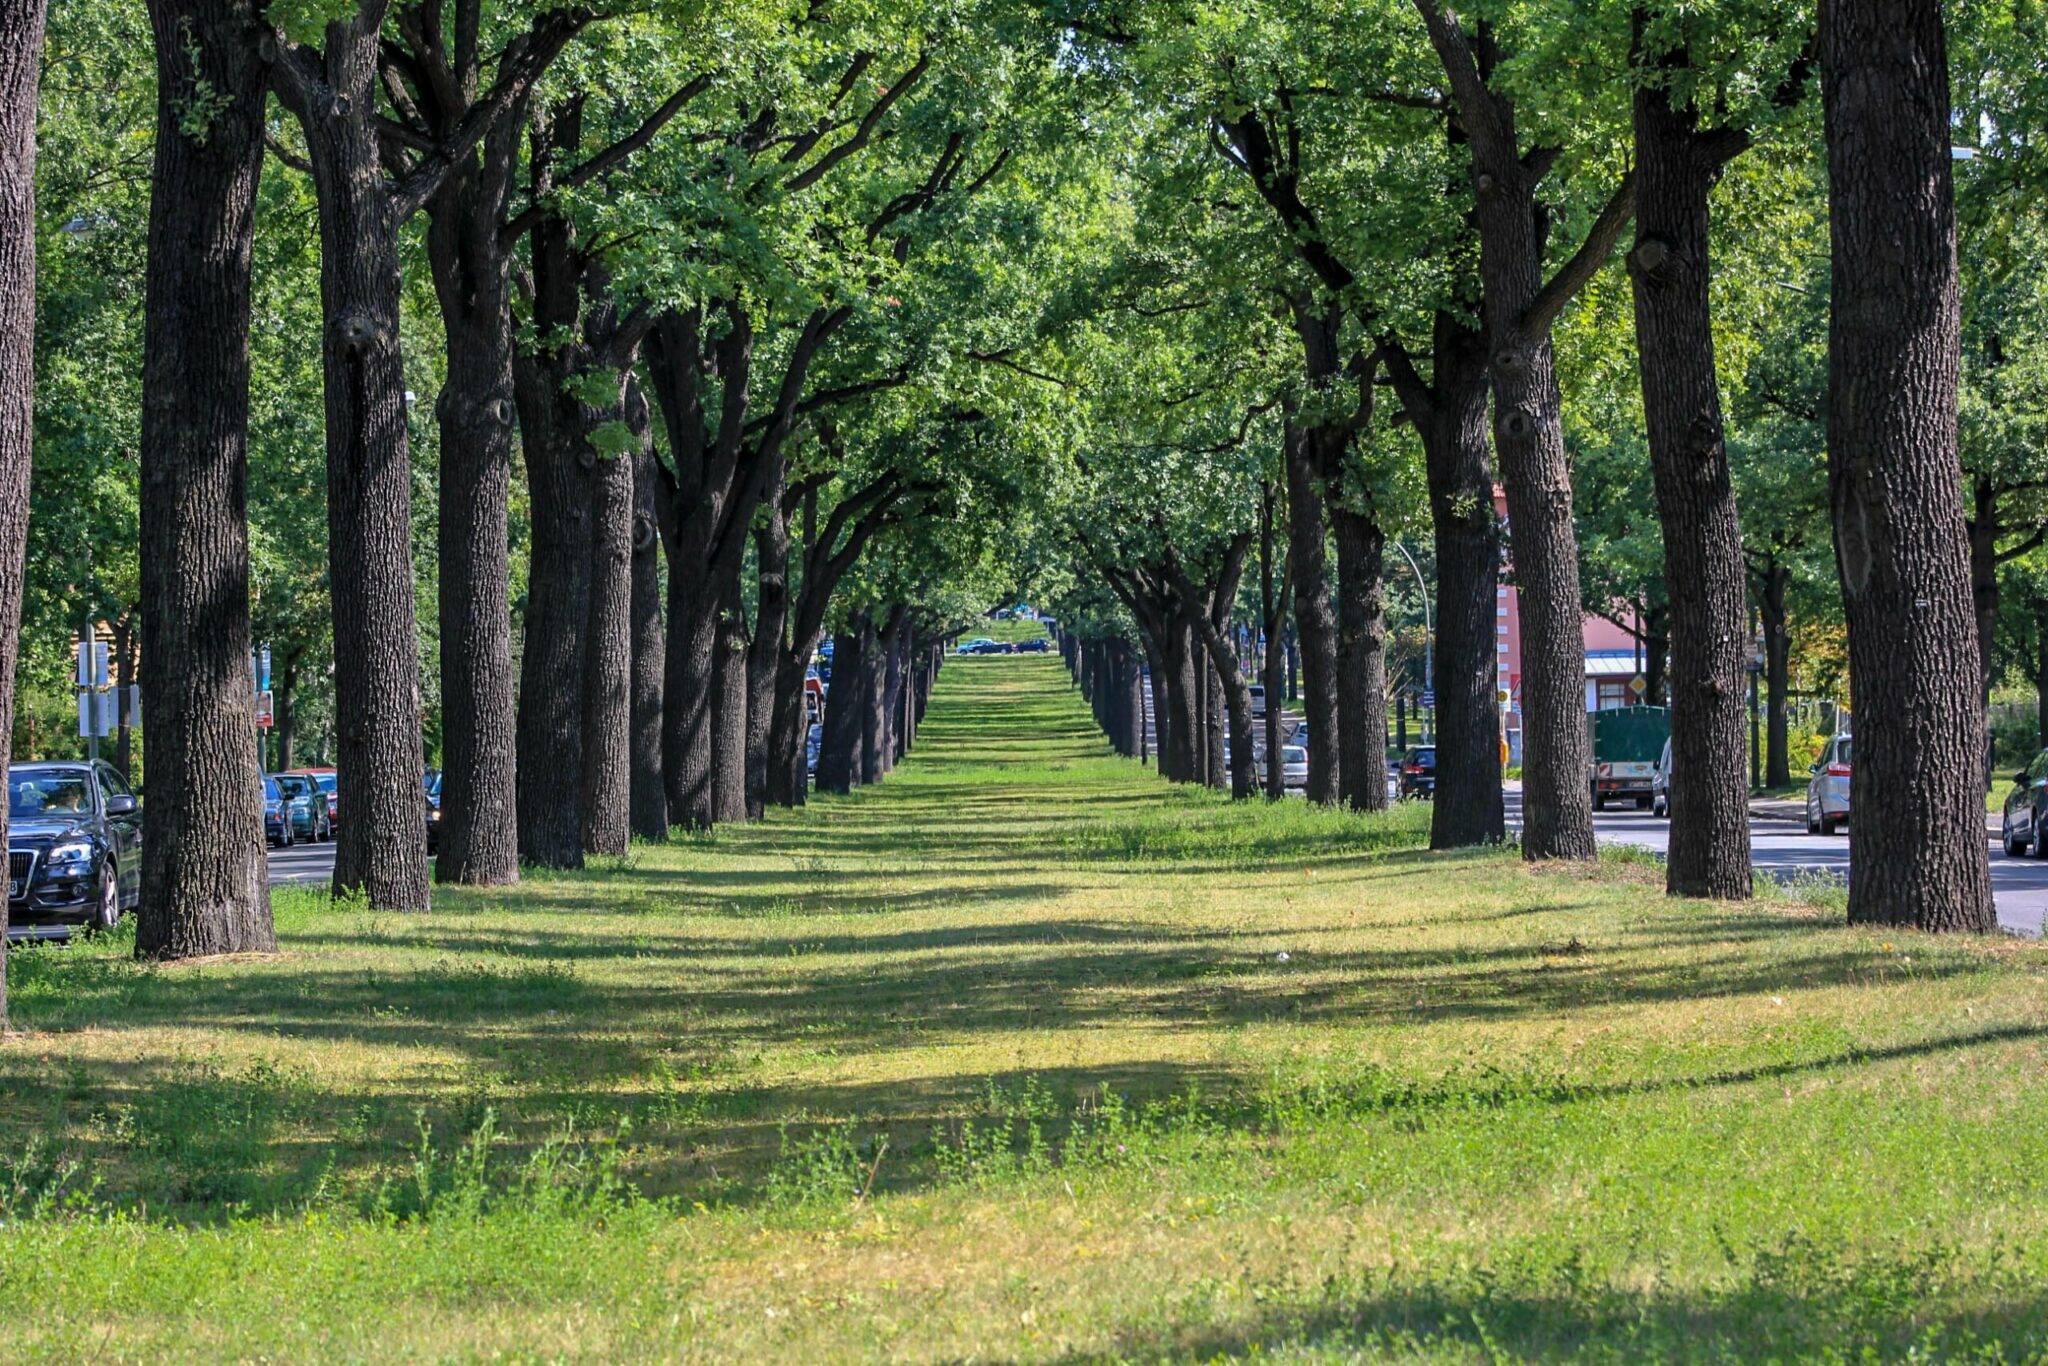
point(2036, 844)
point(2012, 847)
point(106, 914)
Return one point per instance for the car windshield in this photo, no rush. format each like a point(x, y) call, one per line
point(48, 794)
point(295, 785)
point(325, 781)
point(1293, 754)
point(434, 783)
point(1425, 756)
point(270, 792)
point(1842, 751)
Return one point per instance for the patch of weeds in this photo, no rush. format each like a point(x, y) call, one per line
point(1813, 888)
point(1207, 827)
point(37, 1183)
point(212, 1131)
point(826, 1167)
point(564, 1176)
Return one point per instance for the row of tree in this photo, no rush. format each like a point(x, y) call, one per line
point(734, 293)
point(1377, 256)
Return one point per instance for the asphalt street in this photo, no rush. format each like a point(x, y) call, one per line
point(1783, 849)
point(302, 864)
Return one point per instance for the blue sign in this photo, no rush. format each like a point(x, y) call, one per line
point(1429, 698)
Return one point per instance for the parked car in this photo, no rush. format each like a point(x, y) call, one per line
point(2026, 809)
point(980, 645)
point(308, 805)
point(1418, 772)
point(1293, 766)
point(1258, 693)
point(433, 784)
point(814, 742)
point(324, 779)
point(1827, 791)
point(1660, 784)
point(1036, 646)
point(277, 815)
point(74, 849)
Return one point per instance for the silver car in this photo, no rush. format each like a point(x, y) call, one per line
point(1293, 766)
point(1660, 784)
point(1827, 791)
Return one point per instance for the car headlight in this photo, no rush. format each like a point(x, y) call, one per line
point(70, 858)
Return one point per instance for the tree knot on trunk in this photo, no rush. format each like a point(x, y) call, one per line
point(1650, 258)
point(1483, 182)
point(1510, 360)
point(1517, 423)
point(643, 532)
point(357, 330)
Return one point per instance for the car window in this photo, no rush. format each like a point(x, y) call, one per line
point(112, 783)
point(1842, 750)
point(270, 789)
point(295, 784)
point(2034, 769)
point(48, 794)
point(325, 781)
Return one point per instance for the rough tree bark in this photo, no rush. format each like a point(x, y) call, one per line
point(205, 888)
point(1894, 477)
point(1361, 660)
point(729, 710)
point(607, 720)
point(649, 799)
point(1276, 600)
point(839, 745)
point(1449, 413)
point(1677, 165)
point(764, 651)
point(1519, 308)
point(21, 46)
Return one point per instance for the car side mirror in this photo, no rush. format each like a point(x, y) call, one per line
point(1813, 769)
point(2019, 779)
point(122, 806)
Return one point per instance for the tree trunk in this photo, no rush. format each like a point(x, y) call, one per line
point(561, 558)
point(839, 745)
point(895, 727)
point(1703, 566)
point(1188, 743)
point(286, 707)
point(729, 712)
point(1893, 475)
point(205, 887)
point(1315, 625)
point(649, 798)
point(479, 835)
point(607, 796)
point(1361, 661)
point(125, 664)
point(377, 707)
point(764, 655)
point(689, 680)
point(21, 46)
point(1777, 676)
point(1985, 529)
point(876, 648)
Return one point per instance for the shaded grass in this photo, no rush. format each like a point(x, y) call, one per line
point(1025, 1054)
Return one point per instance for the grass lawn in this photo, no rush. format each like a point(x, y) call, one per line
point(1023, 1054)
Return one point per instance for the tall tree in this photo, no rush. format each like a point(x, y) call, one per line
point(1893, 472)
point(369, 181)
point(205, 884)
point(1520, 307)
point(21, 50)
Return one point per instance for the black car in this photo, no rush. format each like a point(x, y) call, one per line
point(1036, 646)
point(74, 849)
point(1418, 772)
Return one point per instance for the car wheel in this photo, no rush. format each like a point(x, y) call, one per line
point(2013, 848)
point(107, 913)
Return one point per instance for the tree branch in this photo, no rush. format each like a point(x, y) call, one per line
point(1592, 254)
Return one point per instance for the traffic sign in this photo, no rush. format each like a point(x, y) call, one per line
point(1639, 685)
point(1429, 697)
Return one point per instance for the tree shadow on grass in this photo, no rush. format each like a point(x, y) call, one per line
point(1841, 1307)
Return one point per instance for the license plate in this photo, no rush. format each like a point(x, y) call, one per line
point(16, 889)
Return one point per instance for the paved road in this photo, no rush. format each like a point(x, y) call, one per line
point(302, 864)
point(1783, 849)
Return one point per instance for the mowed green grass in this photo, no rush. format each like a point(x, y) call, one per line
point(1025, 1055)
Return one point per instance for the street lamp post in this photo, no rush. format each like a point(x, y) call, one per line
point(1428, 632)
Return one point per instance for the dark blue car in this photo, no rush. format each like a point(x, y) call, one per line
point(74, 849)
